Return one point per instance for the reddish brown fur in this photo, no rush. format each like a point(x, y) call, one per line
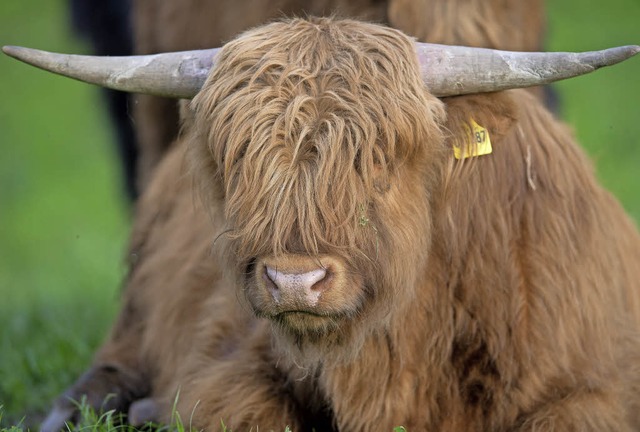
point(499, 293)
point(191, 24)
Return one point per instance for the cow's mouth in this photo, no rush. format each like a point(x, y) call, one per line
point(305, 322)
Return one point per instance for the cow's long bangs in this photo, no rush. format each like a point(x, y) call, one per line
point(306, 124)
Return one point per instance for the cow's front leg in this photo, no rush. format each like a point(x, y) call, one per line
point(104, 387)
point(243, 398)
point(114, 381)
point(251, 389)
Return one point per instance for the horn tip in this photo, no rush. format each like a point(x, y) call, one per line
point(629, 51)
point(18, 52)
point(10, 50)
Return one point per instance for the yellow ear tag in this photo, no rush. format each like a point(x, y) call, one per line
point(479, 142)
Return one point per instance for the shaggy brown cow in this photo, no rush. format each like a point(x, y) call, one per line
point(344, 271)
point(192, 24)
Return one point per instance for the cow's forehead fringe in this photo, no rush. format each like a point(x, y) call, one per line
point(303, 121)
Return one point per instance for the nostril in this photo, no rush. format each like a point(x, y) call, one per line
point(318, 276)
point(269, 277)
point(250, 267)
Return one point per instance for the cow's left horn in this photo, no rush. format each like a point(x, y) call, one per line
point(455, 70)
point(446, 70)
point(177, 74)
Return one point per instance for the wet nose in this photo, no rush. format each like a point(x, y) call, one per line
point(302, 286)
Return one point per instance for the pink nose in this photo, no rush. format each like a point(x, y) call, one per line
point(299, 287)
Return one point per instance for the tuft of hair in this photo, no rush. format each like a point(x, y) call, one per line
point(300, 123)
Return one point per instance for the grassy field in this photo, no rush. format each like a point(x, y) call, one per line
point(64, 222)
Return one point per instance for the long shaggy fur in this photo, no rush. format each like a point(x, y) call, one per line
point(192, 24)
point(497, 293)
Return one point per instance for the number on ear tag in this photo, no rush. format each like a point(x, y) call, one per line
point(479, 142)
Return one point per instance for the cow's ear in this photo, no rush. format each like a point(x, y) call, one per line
point(466, 115)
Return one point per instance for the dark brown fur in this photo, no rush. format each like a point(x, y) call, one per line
point(495, 293)
point(192, 24)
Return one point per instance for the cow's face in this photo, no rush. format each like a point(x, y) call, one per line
point(320, 142)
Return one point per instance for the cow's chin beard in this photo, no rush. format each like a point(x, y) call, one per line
point(313, 338)
point(309, 336)
point(304, 327)
point(307, 324)
point(309, 339)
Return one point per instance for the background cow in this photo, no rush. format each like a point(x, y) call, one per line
point(499, 293)
point(107, 26)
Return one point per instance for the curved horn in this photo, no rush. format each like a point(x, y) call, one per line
point(177, 74)
point(446, 70)
point(456, 70)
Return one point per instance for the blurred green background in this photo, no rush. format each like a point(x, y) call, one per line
point(64, 220)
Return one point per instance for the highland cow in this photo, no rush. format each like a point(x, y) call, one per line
point(312, 253)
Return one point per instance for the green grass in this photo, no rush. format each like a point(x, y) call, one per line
point(64, 224)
